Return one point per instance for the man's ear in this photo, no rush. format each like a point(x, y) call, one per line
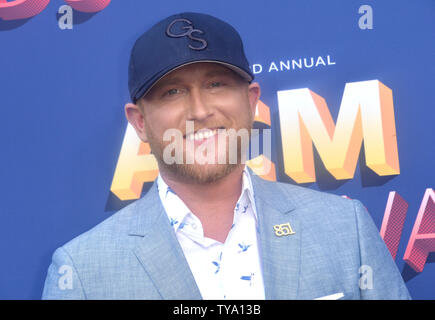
point(135, 117)
point(254, 93)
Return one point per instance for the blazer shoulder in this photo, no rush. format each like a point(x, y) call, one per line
point(111, 232)
point(302, 196)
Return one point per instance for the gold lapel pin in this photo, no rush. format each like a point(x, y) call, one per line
point(283, 229)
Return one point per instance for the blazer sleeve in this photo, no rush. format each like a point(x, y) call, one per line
point(379, 275)
point(62, 280)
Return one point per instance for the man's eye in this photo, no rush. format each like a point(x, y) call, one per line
point(216, 84)
point(172, 92)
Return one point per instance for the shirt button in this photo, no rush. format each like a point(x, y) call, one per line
point(194, 226)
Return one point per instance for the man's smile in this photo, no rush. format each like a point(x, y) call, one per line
point(203, 134)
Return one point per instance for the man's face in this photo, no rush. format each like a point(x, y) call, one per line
point(212, 97)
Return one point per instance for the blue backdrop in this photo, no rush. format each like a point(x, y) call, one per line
point(62, 123)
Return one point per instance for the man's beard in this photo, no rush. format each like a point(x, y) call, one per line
point(201, 173)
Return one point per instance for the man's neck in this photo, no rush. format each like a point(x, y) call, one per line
point(213, 203)
point(228, 187)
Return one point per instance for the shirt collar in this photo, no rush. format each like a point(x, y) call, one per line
point(177, 210)
point(248, 190)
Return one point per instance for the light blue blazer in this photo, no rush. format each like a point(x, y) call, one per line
point(135, 254)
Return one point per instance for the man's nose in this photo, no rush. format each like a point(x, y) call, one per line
point(199, 107)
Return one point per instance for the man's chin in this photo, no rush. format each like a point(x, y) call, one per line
point(201, 174)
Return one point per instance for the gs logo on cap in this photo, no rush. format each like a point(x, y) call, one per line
point(188, 26)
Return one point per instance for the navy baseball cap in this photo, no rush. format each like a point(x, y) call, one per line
point(183, 39)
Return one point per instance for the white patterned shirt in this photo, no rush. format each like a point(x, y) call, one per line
point(230, 270)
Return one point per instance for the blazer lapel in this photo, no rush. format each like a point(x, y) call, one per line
point(159, 251)
point(280, 255)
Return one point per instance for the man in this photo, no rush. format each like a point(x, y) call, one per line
point(212, 229)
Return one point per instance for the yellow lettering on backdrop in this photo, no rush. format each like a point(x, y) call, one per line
point(135, 166)
point(366, 112)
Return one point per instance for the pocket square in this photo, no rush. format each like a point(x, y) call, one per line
point(334, 296)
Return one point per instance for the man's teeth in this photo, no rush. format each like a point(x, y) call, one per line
point(202, 134)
